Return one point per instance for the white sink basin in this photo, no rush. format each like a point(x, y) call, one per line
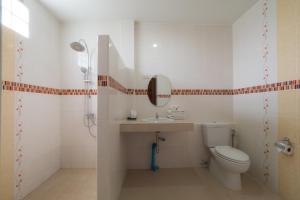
point(157, 120)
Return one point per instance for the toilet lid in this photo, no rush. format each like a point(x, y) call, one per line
point(232, 153)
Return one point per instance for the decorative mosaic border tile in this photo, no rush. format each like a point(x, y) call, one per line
point(280, 86)
point(130, 91)
point(22, 87)
point(202, 92)
point(140, 91)
point(286, 85)
point(78, 92)
point(102, 80)
point(107, 81)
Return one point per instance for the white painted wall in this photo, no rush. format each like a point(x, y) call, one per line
point(41, 115)
point(248, 71)
point(192, 57)
point(78, 148)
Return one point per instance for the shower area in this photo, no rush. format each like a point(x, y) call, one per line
point(76, 176)
point(84, 63)
point(52, 77)
point(48, 140)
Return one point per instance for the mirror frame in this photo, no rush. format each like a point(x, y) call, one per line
point(152, 89)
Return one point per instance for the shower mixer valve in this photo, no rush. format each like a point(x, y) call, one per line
point(90, 116)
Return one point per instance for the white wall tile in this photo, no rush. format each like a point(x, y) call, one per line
point(41, 113)
point(113, 106)
point(248, 71)
point(42, 49)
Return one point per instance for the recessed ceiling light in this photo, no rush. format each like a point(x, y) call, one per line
point(155, 45)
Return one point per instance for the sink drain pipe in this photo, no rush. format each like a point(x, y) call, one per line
point(154, 166)
point(155, 150)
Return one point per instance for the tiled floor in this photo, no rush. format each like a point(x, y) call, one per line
point(187, 184)
point(166, 184)
point(68, 184)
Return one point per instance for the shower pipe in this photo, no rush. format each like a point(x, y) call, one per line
point(89, 120)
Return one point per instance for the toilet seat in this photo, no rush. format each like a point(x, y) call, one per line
point(232, 154)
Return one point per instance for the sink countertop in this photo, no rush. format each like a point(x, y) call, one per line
point(152, 122)
point(139, 126)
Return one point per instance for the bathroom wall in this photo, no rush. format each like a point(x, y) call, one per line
point(288, 100)
point(78, 147)
point(255, 63)
point(113, 106)
point(41, 112)
point(33, 117)
point(192, 57)
point(7, 147)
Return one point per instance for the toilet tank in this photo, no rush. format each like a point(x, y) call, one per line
point(217, 134)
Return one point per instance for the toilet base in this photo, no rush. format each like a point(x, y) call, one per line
point(228, 179)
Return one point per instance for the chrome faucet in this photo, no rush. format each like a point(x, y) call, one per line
point(156, 116)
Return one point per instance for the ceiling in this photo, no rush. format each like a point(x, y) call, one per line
point(208, 12)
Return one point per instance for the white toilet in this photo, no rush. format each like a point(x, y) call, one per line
point(226, 163)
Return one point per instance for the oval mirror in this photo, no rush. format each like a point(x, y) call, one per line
point(159, 90)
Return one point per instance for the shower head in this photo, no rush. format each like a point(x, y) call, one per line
point(81, 47)
point(77, 46)
point(83, 70)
